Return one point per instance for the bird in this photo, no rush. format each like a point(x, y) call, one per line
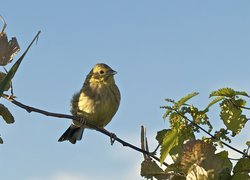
point(97, 102)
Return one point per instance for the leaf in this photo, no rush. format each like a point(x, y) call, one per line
point(150, 169)
point(226, 163)
point(165, 115)
point(240, 176)
point(14, 68)
point(195, 152)
point(243, 165)
point(242, 93)
point(203, 154)
point(185, 99)
point(248, 143)
point(2, 76)
point(228, 92)
point(160, 135)
point(242, 169)
point(5, 113)
point(1, 140)
point(7, 48)
point(232, 115)
point(197, 172)
point(167, 139)
point(214, 101)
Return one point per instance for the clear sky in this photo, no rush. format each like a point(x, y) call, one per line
point(160, 49)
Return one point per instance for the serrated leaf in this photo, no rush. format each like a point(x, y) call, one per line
point(5, 113)
point(169, 139)
point(214, 101)
point(195, 152)
point(228, 92)
point(203, 154)
point(185, 99)
point(14, 68)
point(232, 115)
point(241, 93)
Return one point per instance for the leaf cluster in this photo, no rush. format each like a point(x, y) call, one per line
point(8, 49)
point(194, 158)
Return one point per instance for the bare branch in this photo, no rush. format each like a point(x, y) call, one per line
point(66, 116)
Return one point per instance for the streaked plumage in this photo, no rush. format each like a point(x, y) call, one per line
point(98, 101)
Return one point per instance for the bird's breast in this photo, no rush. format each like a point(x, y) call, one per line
point(99, 103)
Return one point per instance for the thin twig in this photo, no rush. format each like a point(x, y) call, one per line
point(143, 141)
point(201, 128)
point(76, 118)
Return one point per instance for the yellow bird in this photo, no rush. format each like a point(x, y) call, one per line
point(97, 101)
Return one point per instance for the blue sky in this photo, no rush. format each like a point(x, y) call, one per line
point(160, 49)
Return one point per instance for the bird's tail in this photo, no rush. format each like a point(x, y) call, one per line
point(72, 134)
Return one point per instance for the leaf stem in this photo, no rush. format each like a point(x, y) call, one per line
point(201, 128)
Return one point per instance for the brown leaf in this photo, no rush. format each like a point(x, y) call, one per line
point(150, 169)
point(8, 49)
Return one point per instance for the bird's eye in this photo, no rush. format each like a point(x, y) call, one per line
point(101, 72)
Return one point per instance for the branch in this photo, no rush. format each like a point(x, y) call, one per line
point(30, 109)
point(201, 128)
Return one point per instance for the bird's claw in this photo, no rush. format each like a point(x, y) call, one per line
point(82, 120)
point(112, 138)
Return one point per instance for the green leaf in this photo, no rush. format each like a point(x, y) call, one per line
point(165, 115)
point(1, 140)
point(248, 143)
point(223, 156)
point(240, 176)
point(14, 68)
point(2, 76)
point(228, 92)
point(185, 99)
point(5, 113)
point(232, 115)
point(175, 120)
point(242, 169)
point(243, 165)
point(214, 101)
point(160, 135)
point(167, 139)
point(242, 93)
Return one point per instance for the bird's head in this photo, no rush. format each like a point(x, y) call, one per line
point(101, 73)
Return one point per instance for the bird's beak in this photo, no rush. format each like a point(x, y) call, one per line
point(111, 72)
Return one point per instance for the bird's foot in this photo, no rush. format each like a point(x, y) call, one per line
point(112, 138)
point(81, 120)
